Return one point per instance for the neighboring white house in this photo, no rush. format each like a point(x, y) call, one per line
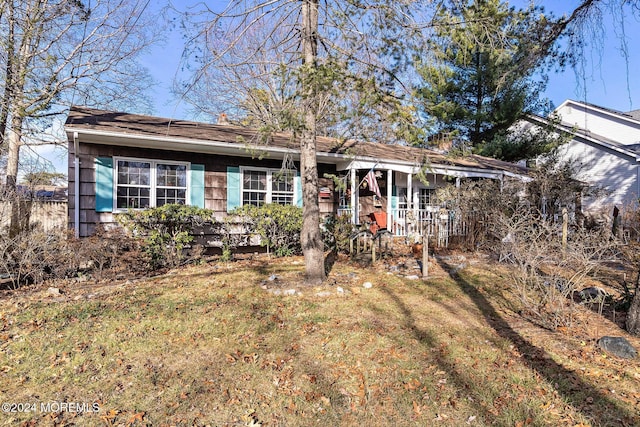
point(605, 148)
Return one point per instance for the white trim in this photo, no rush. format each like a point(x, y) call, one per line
point(354, 197)
point(269, 190)
point(619, 115)
point(152, 179)
point(580, 136)
point(342, 161)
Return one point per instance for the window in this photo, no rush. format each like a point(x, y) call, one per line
point(402, 197)
point(143, 183)
point(260, 186)
point(426, 197)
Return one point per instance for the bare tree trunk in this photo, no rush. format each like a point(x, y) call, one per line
point(632, 323)
point(18, 205)
point(8, 83)
point(311, 239)
point(13, 153)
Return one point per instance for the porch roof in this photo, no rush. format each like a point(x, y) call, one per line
point(118, 128)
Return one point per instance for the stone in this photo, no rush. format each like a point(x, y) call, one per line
point(618, 346)
point(412, 277)
point(340, 290)
point(593, 292)
point(273, 278)
point(289, 292)
point(323, 294)
point(367, 285)
point(54, 291)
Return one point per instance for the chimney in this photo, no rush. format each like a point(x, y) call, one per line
point(222, 119)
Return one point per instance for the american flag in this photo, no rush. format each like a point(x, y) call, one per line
point(373, 183)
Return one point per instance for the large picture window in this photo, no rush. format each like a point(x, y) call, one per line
point(144, 184)
point(260, 186)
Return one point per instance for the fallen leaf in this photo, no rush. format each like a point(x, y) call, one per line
point(416, 408)
point(136, 417)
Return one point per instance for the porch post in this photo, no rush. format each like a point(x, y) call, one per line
point(409, 191)
point(389, 196)
point(354, 205)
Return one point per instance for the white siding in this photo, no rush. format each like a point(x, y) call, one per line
point(616, 174)
point(599, 122)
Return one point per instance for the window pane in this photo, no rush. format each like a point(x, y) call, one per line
point(133, 189)
point(170, 196)
point(171, 175)
point(402, 197)
point(255, 180)
point(132, 198)
point(254, 187)
point(253, 198)
point(282, 199)
point(425, 197)
point(133, 173)
point(282, 188)
point(282, 182)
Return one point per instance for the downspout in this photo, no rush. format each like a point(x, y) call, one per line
point(76, 185)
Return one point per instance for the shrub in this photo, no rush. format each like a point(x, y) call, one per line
point(167, 231)
point(546, 273)
point(277, 225)
point(110, 252)
point(337, 232)
point(28, 256)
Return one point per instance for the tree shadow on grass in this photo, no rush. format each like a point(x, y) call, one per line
point(468, 386)
point(601, 411)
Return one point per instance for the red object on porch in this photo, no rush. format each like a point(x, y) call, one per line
point(380, 219)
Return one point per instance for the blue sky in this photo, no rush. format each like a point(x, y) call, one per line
point(606, 79)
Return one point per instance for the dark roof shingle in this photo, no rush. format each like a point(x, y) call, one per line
point(134, 124)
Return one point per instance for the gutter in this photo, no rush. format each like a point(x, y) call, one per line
point(208, 146)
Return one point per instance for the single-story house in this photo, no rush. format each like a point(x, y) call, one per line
point(120, 161)
point(604, 147)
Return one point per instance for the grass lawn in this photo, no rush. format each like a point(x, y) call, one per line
point(222, 344)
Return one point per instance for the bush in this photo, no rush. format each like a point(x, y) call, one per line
point(167, 231)
point(27, 257)
point(337, 232)
point(278, 226)
point(547, 273)
point(110, 252)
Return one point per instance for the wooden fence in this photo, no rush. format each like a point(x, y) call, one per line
point(51, 216)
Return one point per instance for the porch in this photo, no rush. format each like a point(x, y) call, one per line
point(403, 198)
point(410, 224)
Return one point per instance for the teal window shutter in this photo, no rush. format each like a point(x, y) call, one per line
point(233, 187)
point(394, 197)
point(104, 184)
point(196, 186)
point(297, 185)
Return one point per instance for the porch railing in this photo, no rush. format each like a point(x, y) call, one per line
point(437, 222)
